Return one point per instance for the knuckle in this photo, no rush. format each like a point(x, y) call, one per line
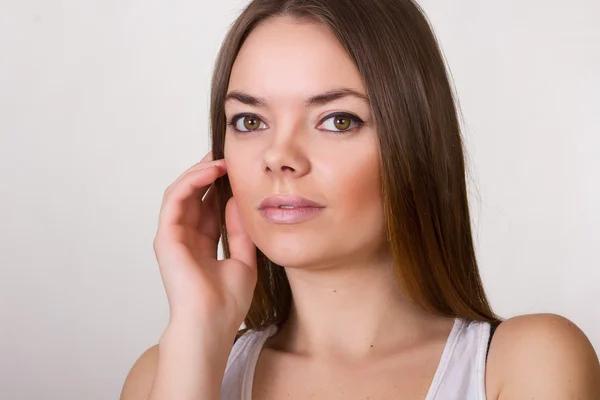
point(158, 241)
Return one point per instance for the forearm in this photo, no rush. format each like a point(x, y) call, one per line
point(191, 364)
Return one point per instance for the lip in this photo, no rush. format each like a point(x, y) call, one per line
point(303, 210)
point(290, 200)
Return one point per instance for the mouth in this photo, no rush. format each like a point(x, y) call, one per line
point(288, 202)
point(289, 209)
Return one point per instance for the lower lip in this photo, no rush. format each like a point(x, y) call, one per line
point(290, 215)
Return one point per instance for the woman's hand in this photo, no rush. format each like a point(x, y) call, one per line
point(203, 292)
point(208, 299)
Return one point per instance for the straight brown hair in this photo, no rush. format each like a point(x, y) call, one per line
point(422, 157)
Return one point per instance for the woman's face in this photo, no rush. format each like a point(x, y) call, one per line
point(325, 150)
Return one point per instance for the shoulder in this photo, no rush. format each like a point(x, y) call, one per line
point(542, 356)
point(139, 380)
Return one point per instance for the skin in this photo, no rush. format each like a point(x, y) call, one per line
point(343, 274)
point(351, 331)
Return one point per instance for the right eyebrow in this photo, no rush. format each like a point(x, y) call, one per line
point(319, 99)
point(245, 98)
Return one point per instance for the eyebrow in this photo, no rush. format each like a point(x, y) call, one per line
point(316, 100)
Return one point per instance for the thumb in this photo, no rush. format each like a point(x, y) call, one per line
point(241, 247)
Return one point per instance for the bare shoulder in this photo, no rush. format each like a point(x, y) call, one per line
point(542, 356)
point(139, 380)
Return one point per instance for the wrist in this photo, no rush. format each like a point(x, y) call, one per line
point(191, 362)
point(202, 334)
point(197, 346)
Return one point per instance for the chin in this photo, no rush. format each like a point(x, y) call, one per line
point(291, 253)
point(288, 256)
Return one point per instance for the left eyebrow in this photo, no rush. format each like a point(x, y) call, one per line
point(332, 95)
point(312, 101)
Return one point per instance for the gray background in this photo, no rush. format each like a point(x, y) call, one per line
point(104, 103)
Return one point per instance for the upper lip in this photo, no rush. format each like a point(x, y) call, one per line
point(289, 200)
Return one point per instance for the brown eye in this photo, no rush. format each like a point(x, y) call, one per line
point(251, 123)
point(341, 123)
point(247, 123)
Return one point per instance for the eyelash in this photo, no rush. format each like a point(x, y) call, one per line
point(358, 123)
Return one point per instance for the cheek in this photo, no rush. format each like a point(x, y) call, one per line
point(357, 188)
point(242, 179)
point(237, 162)
point(239, 180)
point(358, 215)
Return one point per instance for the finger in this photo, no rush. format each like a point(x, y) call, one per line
point(196, 167)
point(208, 156)
point(183, 199)
point(209, 223)
point(241, 247)
point(206, 160)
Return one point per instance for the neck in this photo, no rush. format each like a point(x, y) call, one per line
point(353, 311)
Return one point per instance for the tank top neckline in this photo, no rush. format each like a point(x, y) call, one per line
point(451, 341)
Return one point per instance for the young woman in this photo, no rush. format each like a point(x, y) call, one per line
point(337, 184)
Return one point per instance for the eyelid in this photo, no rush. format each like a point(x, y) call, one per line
point(247, 114)
point(235, 118)
point(340, 113)
point(355, 118)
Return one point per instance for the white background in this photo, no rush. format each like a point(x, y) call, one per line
point(103, 103)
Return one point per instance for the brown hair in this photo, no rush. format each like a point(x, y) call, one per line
point(422, 161)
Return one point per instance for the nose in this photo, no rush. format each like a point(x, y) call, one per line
point(285, 156)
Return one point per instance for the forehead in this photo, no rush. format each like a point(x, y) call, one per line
point(289, 58)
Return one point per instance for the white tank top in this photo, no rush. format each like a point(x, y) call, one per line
point(460, 374)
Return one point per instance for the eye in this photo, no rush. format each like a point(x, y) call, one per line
point(340, 122)
point(247, 123)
